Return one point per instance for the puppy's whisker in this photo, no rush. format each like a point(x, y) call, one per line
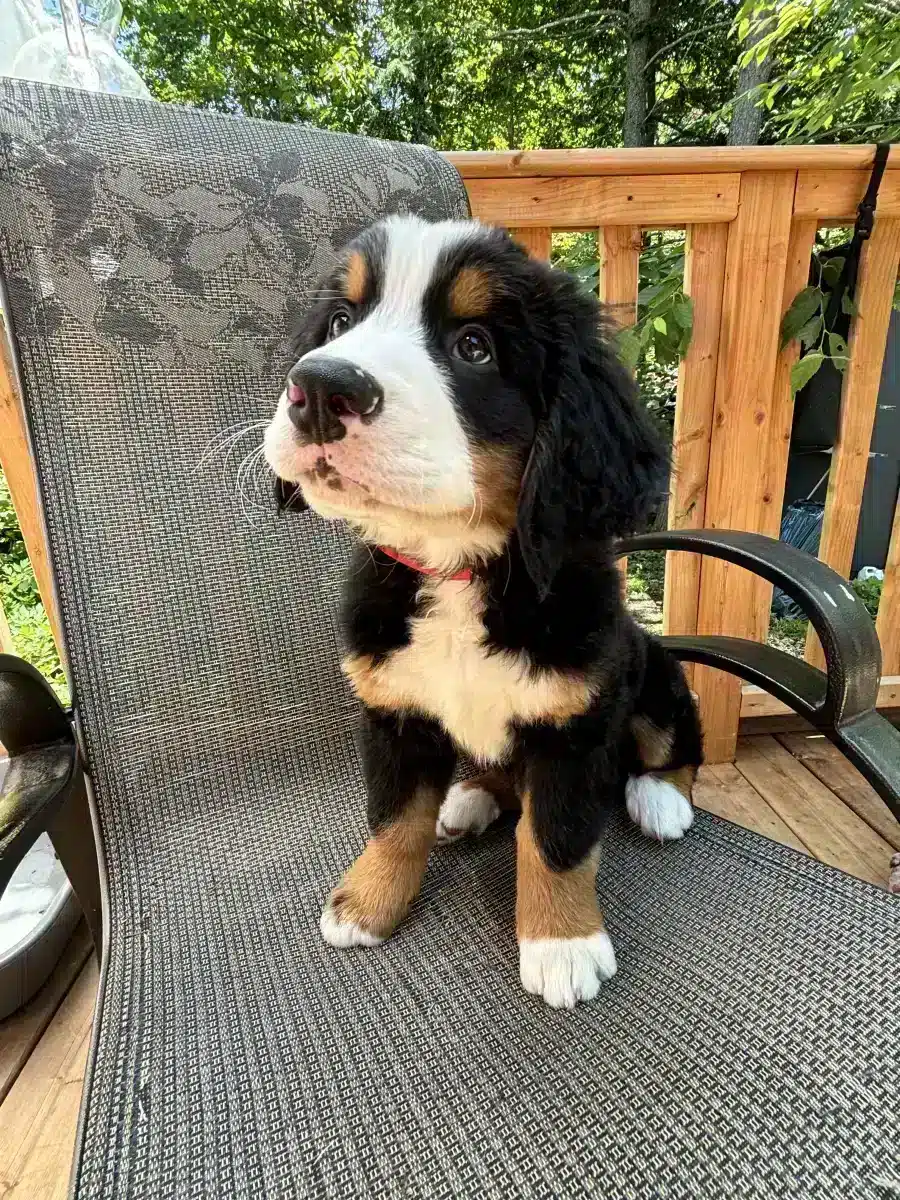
point(226, 439)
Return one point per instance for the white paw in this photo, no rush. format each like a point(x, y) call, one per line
point(344, 933)
point(566, 970)
point(658, 807)
point(465, 810)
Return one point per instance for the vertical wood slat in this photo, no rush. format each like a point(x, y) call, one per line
point(888, 623)
point(748, 450)
point(620, 258)
point(15, 460)
point(538, 241)
point(859, 403)
point(704, 281)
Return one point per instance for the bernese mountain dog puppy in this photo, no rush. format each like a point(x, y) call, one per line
point(455, 402)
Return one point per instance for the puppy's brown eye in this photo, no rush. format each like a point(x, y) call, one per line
point(339, 323)
point(474, 347)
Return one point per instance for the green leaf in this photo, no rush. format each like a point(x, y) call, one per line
point(837, 347)
point(629, 347)
point(811, 331)
point(803, 370)
point(840, 361)
point(659, 324)
point(805, 304)
point(848, 306)
point(648, 294)
point(683, 313)
point(831, 270)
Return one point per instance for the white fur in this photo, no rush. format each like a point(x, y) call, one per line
point(415, 454)
point(565, 970)
point(465, 810)
point(658, 807)
point(344, 933)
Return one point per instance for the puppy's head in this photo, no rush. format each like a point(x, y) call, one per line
point(449, 392)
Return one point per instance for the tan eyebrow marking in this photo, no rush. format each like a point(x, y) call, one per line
point(357, 278)
point(471, 293)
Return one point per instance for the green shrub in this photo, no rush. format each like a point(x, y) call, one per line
point(21, 601)
point(869, 591)
point(647, 573)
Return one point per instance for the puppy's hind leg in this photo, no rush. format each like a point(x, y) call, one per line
point(472, 805)
point(669, 749)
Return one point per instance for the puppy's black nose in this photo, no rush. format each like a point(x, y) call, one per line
point(323, 394)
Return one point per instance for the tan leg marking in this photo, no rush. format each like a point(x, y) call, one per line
point(375, 893)
point(681, 778)
point(501, 787)
point(654, 744)
point(564, 951)
point(553, 904)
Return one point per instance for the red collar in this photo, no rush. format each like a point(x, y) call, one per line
point(414, 565)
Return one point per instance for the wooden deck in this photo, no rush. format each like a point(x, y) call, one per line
point(794, 788)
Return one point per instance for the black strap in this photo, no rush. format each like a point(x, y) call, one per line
point(862, 231)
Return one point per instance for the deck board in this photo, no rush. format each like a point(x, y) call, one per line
point(21, 1032)
point(794, 789)
point(827, 827)
point(839, 775)
point(721, 789)
point(39, 1116)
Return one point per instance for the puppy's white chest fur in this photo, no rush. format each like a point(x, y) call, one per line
point(446, 672)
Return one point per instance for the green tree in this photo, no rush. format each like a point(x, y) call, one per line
point(835, 67)
point(288, 60)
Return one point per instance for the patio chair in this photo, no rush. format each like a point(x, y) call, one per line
point(152, 258)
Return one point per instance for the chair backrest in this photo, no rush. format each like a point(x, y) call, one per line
point(154, 258)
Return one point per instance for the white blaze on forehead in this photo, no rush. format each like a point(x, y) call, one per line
point(412, 253)
point(417, 433)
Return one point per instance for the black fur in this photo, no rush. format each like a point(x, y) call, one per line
point(593, 469)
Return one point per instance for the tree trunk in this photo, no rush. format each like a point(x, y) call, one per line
point(747, 116)
point(634, 128)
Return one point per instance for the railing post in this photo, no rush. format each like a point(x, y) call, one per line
point(537, 240)
point(859, 403)
point(620, 262)
point(748, 447)
point(704, 280)
point(888, 623)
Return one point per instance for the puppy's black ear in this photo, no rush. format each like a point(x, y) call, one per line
point(289, 497)
point(597, 469)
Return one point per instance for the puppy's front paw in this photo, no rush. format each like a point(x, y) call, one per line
point(467, 808)
point(658, 807)
point(565, 970)
point(338, 927)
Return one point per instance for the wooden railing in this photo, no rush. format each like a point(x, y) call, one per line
point(751, 216)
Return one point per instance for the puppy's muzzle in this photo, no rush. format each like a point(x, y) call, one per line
point(328, 395)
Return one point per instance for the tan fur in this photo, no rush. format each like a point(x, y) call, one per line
point(445, 672)
point(681, 778)
point(357, 278)
point(552, 904)
point(497, 472)
point(471, 293)
point(654, 744)
point(500, 786)
point(379, 887)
